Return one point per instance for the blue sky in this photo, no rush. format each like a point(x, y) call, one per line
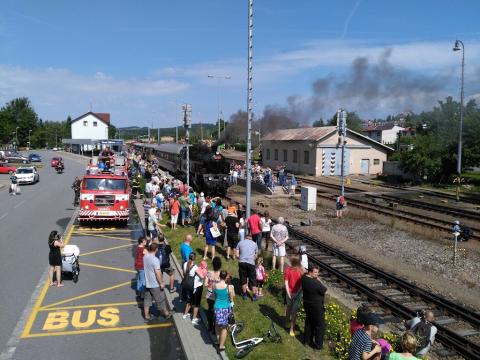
point(140, 60)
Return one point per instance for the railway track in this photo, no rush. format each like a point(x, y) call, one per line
point(457, 325)
point(443, 225)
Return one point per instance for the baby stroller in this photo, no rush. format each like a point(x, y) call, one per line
point(70, 262)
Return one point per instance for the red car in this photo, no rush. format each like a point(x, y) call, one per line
point(54, 161)
point(7, 168)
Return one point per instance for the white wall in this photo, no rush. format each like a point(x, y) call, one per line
point(390, 136)
point(84, 128)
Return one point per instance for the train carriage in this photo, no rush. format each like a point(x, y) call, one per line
point(208, 169)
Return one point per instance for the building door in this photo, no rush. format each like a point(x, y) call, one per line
point(364, 166)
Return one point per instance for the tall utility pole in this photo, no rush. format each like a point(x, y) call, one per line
point(249, 106)
point(342, 139)
point(187, 123)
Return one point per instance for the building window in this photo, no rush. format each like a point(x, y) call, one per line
point(85, 123)
point(376, 161)
point(95, 124)
point(275, 154)
point(379, 133)
point(268, 154)
point(295, 156)
point(285, 157)
point(306, 157)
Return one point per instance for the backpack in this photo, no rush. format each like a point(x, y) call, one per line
point(188, 282)
point(163, 253)
point(216, 213)
point(341, 200)
point(422, 331)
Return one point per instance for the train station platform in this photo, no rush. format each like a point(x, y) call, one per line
point(197, 342)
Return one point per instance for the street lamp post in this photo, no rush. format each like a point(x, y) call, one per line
point(219, 111)
point(29, 144)
point(16, 134)
point(457, 47)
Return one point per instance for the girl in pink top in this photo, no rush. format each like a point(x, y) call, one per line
point(261, 275)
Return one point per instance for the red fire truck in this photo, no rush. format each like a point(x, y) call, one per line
point(104, 196)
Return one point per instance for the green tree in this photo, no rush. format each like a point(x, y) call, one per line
point(425, 159)
point(17, 117)
point(318, 123)
point(354, 122)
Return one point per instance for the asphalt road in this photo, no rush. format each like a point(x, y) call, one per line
point(25, 223)
point(99, 317)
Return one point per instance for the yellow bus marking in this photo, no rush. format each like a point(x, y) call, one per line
point(104, 250)
point(87, 294)
point(79, 332)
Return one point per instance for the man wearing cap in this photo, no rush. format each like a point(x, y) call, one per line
point(362, 346)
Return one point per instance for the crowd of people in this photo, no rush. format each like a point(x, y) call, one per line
point(226, 225)
point(266, 176)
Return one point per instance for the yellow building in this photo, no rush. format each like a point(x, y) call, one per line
point(317, 151)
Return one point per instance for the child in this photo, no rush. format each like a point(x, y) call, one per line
point(203, 268)
point(139, 266)
point(302, 252)
point(261, 275)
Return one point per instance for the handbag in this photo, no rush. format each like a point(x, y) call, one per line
point(214, 231)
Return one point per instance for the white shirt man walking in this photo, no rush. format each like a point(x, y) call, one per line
point(279, 235)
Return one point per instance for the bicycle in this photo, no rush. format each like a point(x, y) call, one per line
point(246, 346)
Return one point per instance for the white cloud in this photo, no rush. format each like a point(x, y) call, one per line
point(55, 93)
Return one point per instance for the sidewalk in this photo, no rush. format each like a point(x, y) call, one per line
point(196, 341)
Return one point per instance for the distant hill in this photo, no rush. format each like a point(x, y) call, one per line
point(132, 132)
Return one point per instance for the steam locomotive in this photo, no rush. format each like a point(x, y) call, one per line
point(208, 172)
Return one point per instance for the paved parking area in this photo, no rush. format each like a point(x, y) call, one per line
point(98, 317)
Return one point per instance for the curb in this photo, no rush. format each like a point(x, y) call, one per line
point(170, 299)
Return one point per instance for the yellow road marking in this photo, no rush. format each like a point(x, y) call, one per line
point(103, 230)
point(109, 267)
point(88, 306)
point(77, 332)
point(105, 236)
point(104, 250)
point(87, 295)
point(36, 307)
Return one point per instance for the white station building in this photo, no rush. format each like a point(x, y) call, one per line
point(89, 132)
point(316, 151)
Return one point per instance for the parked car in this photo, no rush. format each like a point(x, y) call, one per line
point(20, 159)
point(34, 158)
point(7, 169)
point(54, 161)
point(27, 175)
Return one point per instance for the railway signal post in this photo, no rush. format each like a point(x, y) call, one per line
point(187, 123)
point(342, 139)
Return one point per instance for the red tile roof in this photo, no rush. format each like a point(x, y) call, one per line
point(105, 117)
